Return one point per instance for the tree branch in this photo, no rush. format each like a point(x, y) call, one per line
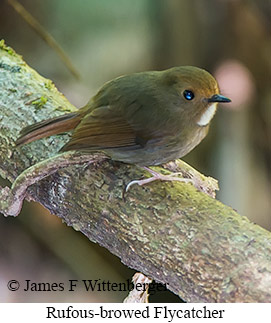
point(172, 232)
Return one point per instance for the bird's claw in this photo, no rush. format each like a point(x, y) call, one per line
point(158, 176)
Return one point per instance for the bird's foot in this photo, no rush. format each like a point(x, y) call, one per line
point(158, 176)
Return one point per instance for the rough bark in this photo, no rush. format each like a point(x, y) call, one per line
point(171, 232)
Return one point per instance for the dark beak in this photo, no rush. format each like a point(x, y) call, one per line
point(218, 98)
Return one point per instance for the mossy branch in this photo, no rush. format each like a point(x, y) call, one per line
point(172, 232)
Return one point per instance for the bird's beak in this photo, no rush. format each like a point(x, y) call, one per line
point(218, 98)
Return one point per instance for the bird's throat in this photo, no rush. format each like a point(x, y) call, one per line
point(207, 115)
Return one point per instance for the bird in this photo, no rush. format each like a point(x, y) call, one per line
point(145, 119)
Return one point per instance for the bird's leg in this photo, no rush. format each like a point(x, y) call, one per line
point(158, 176)
point(11, 199)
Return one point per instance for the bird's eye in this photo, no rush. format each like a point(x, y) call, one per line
point(188, 95)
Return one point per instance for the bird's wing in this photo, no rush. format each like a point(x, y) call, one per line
point(103, 128)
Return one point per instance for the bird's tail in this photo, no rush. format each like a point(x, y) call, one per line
point(48, 128)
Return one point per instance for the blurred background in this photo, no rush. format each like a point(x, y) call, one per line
point(105, 39)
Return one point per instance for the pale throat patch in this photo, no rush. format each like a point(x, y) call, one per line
point(207, 116)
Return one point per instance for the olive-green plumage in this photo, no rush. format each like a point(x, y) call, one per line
point(146, 118)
